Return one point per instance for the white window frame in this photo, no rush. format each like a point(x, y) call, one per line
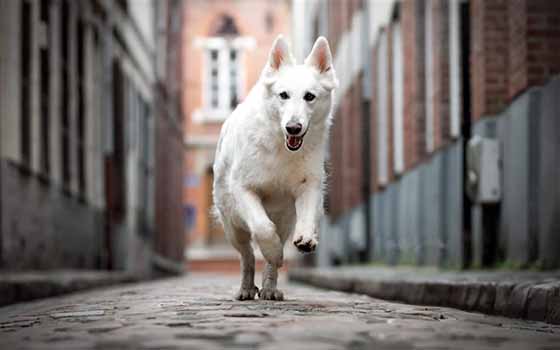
point(455, 69)
point(207, 112)
point(381, 102)
point(429, 75)
point(398, 98)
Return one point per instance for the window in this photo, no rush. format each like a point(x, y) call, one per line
point(45, 90)
point(269, 22)
point(25, 97)
point(65, 93)
point(81, 146)
point(429, 75)
point(222, 78)
point(381, 101)
point(223, 74)
point(398, 93)
point(146, 165)
point(233, 81)
point(213, 79)
point(117, 184)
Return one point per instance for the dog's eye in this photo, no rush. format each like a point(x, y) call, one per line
point(309, 97)
point(284, 95)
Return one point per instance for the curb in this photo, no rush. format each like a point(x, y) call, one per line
point(536, 300)
point(17, 287)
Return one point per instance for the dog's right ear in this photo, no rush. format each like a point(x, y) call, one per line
point(278, 57)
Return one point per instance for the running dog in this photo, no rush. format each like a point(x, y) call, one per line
point(269, 167)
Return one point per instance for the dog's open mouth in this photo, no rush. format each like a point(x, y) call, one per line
point(294, 143)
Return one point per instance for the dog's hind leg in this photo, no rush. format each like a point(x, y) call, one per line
point(241, 241)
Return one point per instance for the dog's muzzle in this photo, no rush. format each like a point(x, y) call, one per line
point(294, 143)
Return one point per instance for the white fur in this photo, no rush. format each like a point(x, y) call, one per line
point(263, 191)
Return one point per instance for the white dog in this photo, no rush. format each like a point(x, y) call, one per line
point(269, 166)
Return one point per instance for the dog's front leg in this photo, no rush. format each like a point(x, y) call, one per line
point(261, 227)
point(309, 204)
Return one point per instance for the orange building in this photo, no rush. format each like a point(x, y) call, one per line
point(225, 45)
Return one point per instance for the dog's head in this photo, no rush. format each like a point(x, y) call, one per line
point(299, 96)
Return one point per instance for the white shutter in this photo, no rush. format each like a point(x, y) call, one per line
point(382, 137)
point(429, 70)
point(455, 100)
point(398, 92)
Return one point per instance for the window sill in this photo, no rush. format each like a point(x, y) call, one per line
point(203, 116)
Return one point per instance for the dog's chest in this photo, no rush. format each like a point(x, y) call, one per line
point(275, 174)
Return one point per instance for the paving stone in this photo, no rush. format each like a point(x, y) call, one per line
point(90, 313)
point(196, 312)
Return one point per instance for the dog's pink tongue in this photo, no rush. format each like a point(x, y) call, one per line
point(293, 141)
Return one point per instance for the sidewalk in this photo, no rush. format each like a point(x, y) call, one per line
point(519, 294)
point(18, 286)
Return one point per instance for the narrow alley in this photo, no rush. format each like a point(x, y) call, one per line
point(197, 312)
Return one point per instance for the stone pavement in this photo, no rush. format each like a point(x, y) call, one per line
point(197, 312)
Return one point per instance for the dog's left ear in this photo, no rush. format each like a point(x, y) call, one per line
point(320, 58)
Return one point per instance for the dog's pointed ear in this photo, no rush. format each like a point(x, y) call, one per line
point(279, 54)
point(320, 58)
point(278, 57)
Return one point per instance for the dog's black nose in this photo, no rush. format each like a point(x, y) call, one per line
point(293, 128)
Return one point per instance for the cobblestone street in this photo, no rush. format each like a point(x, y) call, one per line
point(197, 312)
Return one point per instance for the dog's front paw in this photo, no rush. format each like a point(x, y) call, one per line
point(246, 293)
point(271, 294)
point(305, 244)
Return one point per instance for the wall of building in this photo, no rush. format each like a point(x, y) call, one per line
point(469, 68)
point(78, 136)
point(170, 148)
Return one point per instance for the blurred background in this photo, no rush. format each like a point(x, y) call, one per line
point(445, 149)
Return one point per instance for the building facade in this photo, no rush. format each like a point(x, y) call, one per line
point(87, 104)
point(225, 46)
point(420, 79)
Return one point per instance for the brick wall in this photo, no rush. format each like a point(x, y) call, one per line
point(412, 17)
point(345, 164)
point(169, 219)
point(373, 120)
point(440, 11)
point(390, 118)
point(514, 45)
point(489, 57)
point(534, 54)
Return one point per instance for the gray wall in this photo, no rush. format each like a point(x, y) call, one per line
point(43, 228)
point(548, 176)
point(417, 219)
point(529, 220)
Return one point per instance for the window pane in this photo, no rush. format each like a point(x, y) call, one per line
point(233, 78)
point(26, 49)
point(214, 55)
point(65, 95)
